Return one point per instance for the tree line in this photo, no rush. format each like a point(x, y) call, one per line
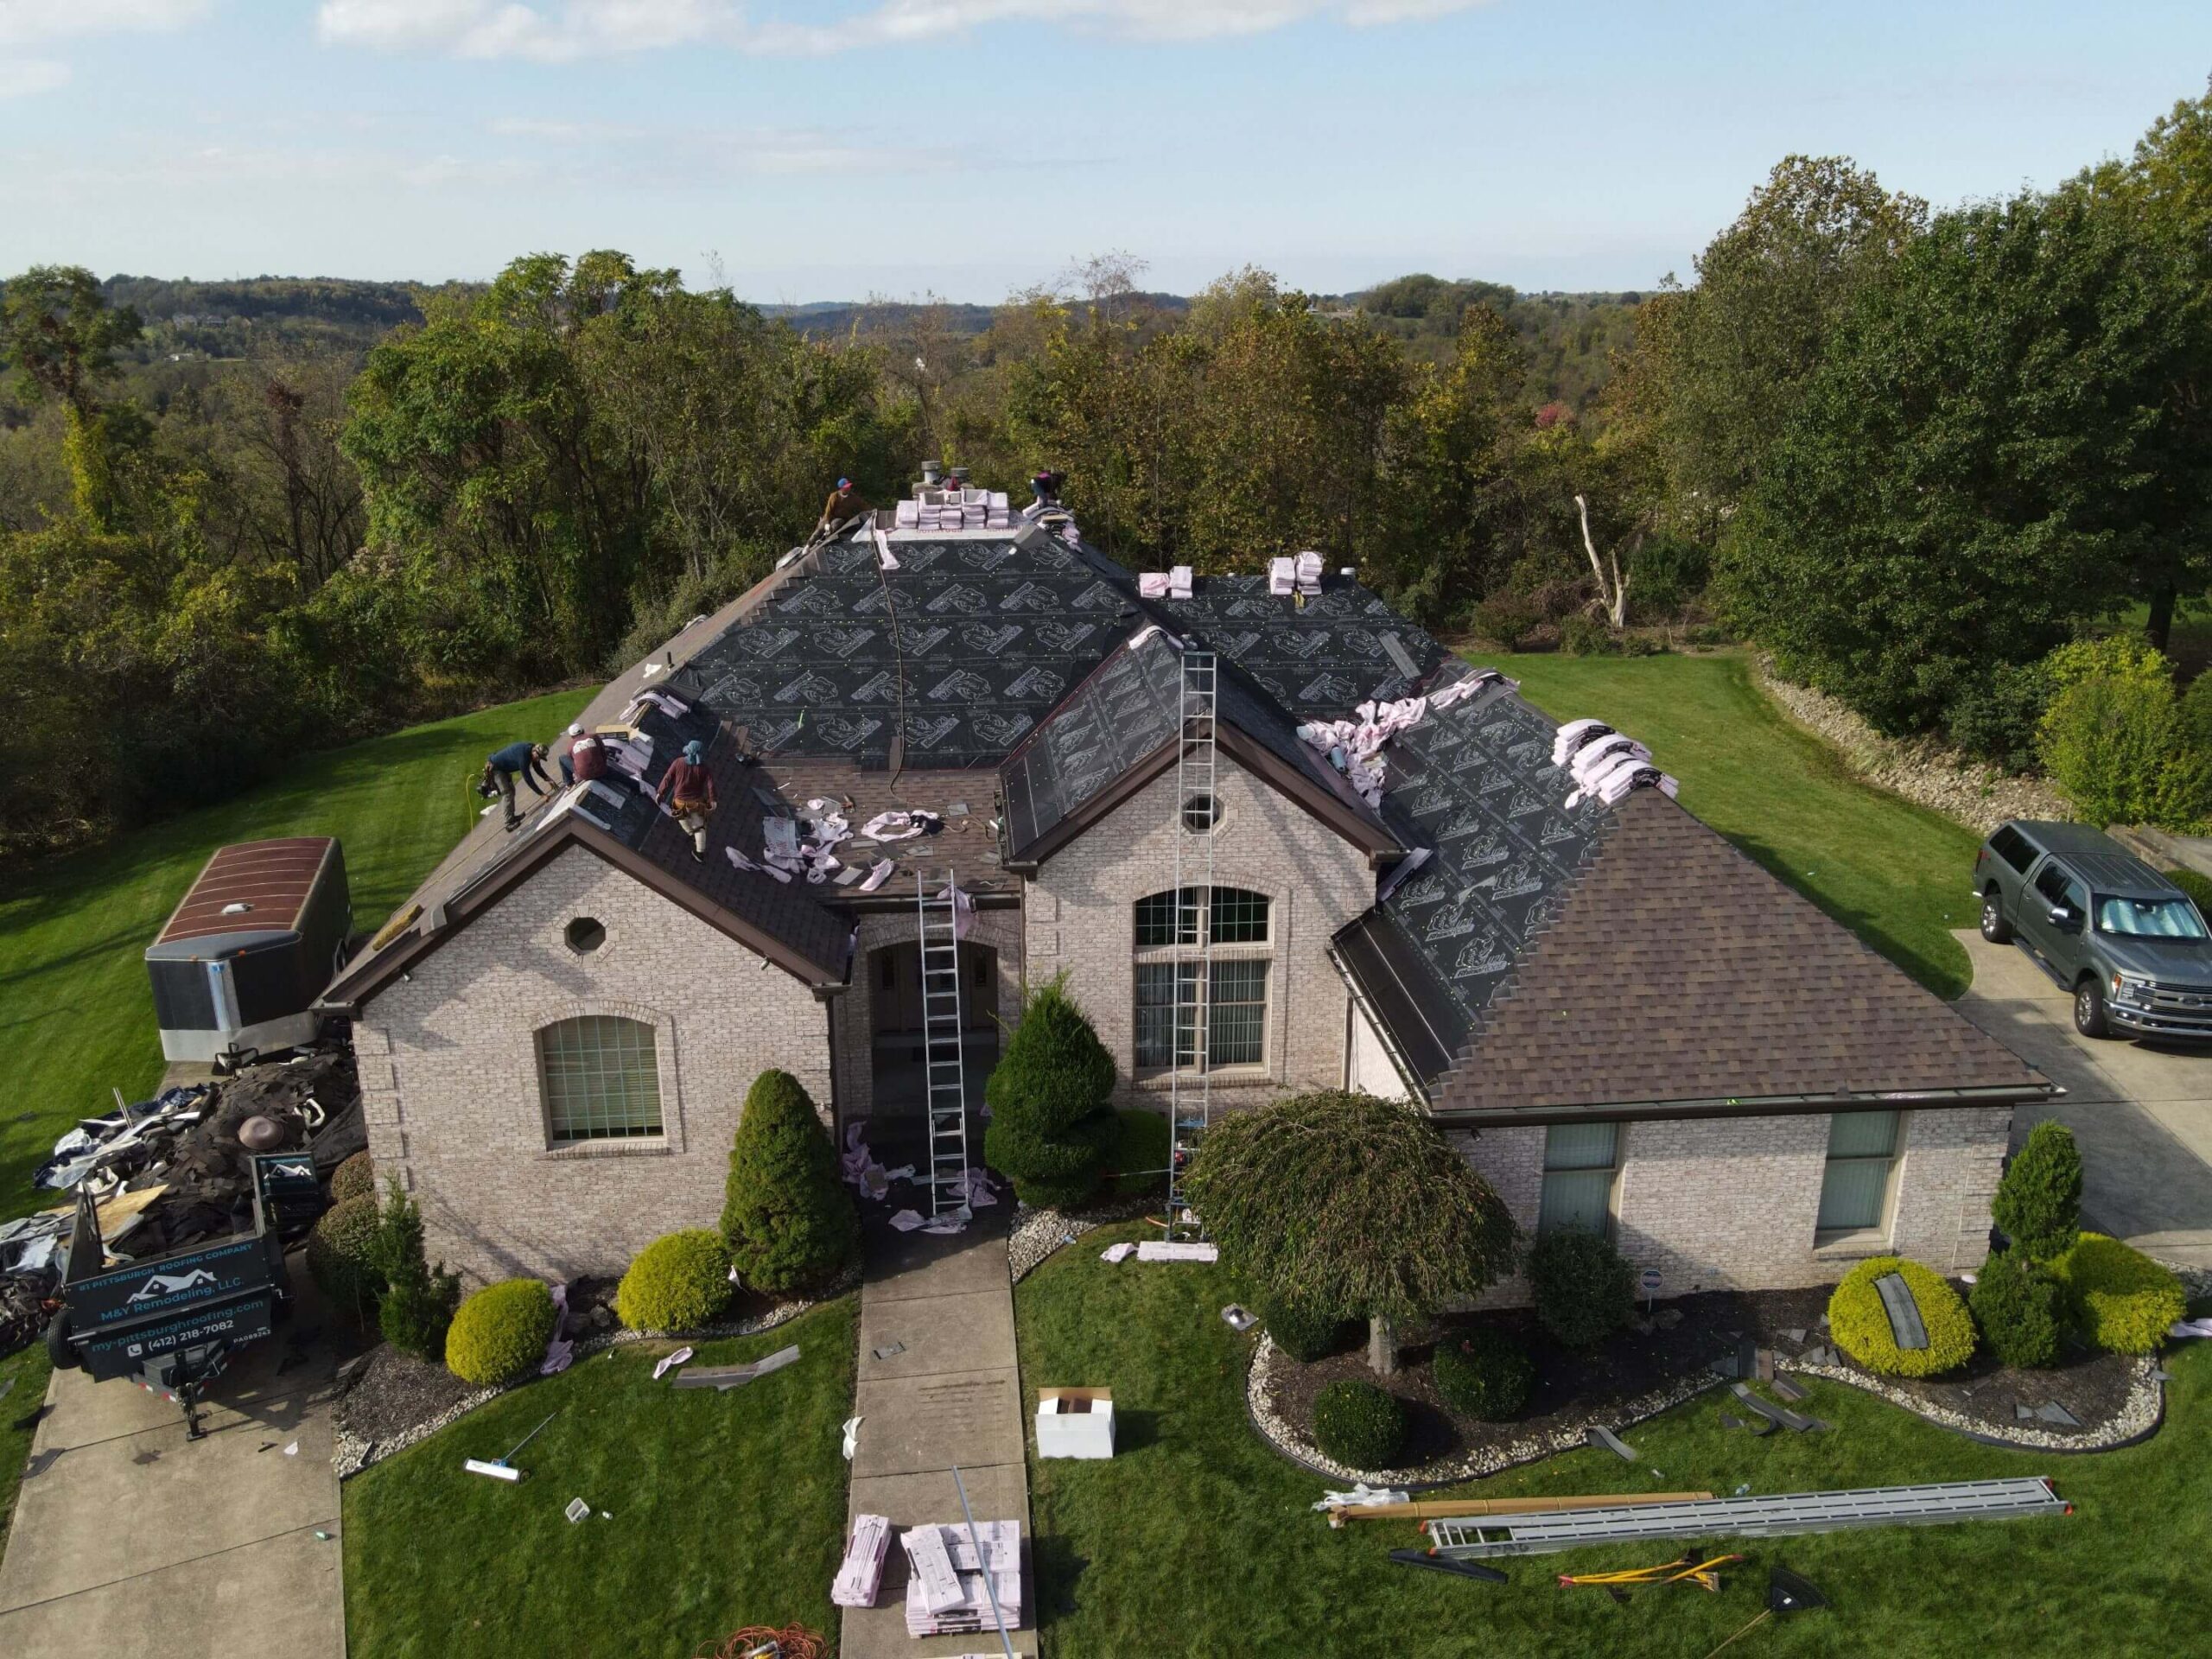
point(1910, 453)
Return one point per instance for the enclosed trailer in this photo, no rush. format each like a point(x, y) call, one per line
point(238, 966)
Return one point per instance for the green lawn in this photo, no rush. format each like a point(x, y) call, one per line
point(1893, 872)
point(728, 1509)
point(74, 1002)
point(1196, 1538)
point(30, 1368)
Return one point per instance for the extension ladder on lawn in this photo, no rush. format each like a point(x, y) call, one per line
point(945, 1070)
point(1471, 1536)
point(1197, 811)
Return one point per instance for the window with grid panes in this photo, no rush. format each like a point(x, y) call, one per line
point(1579, 1162)
point(1855, 1184)
point(1232, 916)
point(602, 1079)
point(1235, 996)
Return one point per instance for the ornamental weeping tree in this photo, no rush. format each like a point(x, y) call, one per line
point(1345, 1202)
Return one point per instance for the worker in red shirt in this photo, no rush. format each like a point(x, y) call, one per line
point(687, 789)
point(583, 757)
point(844, 503)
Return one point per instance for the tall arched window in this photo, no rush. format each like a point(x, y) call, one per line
point(1228, 1004)
point(601, 1076)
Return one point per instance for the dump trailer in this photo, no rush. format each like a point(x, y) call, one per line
point(172, 1322)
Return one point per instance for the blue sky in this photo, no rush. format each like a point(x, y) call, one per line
point(972, 146)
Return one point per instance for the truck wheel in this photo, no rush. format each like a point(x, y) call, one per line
point(58, 1346)
point(1994, 927)
point(2089, 1008)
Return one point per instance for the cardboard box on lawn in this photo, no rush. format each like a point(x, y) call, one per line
point(1075, 1423)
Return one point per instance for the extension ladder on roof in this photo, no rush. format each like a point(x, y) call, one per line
point(943, 1068)
point(1189, 1082)
point(1747, 1518)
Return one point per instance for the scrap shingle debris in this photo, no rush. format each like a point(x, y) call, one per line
point(723, 1378)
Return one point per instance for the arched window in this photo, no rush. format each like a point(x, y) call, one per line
point(601, 1076)
point(1175, 1002)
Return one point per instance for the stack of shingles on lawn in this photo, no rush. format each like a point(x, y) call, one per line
point(945, 1592)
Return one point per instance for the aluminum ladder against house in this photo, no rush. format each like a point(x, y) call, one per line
point(1472, 1536)
point(944, 1070)
point(1190, 1087)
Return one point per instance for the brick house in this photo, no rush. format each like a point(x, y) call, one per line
point(1631, 1024)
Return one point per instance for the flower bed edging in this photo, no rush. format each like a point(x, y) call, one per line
point(2138, 1420)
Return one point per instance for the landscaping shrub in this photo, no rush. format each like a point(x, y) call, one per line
point(1860, 1324)
point(2038, 1202)
point(418, 1299)
point(679, 1282)
point(1995, 716)
point(1506, 620)
point(1052, 1122)
point(1665, 574)
point(1358, 1425)
point(1482, 1374)
point(2117, 746)
point(2017, 1304)
point(342, 1256)
point(355, 1178)
point(1304, 1333)
point(1141, 1147)
point(788, 1220)
point(500, 1331)
point(2198, 888)
point(2117, 1297)
point(1581, 635)
point(1584, 1292)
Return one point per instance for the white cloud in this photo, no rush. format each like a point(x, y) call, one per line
point(22, 77)
point(23, 21)
point(561, 31)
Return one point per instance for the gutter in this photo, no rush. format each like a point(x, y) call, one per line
point(1742, 1106)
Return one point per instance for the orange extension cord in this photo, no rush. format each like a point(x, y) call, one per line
point(792, 1641)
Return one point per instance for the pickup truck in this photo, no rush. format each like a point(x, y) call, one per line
point(171, 1323)
point(2127, 943)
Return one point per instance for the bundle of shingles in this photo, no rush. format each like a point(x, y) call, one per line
point(1299, 574)
point(955, 509)
point(860, 1576)
point(1604, 764)
point(1355, 746)
point(946, 1594)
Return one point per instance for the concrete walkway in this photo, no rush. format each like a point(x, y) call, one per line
point(2141, 1112)
point(952, 1396)
point(130, 1539)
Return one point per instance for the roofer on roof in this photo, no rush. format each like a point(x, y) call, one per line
point(582, 756)
point(692, 788)
point(502, 765)
point(844, 503)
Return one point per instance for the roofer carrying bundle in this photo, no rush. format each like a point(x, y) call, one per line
point(844, 504)
point(583, 757)
point(688, 789)
point(501, 767)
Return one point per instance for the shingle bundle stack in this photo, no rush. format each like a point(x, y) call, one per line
point(945, 1592)
point(1309, 573)
point(1605, 765)
point(860, 1575)
point(1282, 576)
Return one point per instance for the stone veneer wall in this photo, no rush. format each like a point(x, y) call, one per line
point(1723, 1204)
point(452, 1096)
point(1081, 916)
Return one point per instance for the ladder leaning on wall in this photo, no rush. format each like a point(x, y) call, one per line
point(944, 1070)
point(1189, 1085)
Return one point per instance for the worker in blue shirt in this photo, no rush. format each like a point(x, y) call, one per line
point(500, 768)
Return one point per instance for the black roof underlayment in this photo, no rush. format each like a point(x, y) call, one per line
point(1344, 645)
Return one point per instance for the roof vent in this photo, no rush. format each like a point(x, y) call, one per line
point(236, 908)
point(932, 474)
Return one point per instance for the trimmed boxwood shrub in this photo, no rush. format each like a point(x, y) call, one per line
point(1304, 1333)
point(500, 1331)
point(2018, 1305)
point(1482, 1374)
point(679, 1282)
point(342, 1256)
point(1051, 1097)
point(2038, 1202)
point(1358, 1425)
point(1582, 1291)
point(1860, 1324)
point(789, 1222)
point(355, 1178)
point(2117, 1297)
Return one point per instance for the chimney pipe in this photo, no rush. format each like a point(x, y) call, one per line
point(960, 476)
point(933, 472)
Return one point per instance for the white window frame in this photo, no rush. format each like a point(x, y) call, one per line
point(1611, 1172)
point(1191, 950)
point(1884, 1222)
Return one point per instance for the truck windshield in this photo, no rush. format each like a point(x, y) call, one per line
point(2148, 918)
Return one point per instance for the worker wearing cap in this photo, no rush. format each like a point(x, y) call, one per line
point(843, 504)
point(584, 756)
point(687, 789)
point(502, 767)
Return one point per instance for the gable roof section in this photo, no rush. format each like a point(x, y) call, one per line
point(1118, 731)
point(1548, 961)
point(1316, 660)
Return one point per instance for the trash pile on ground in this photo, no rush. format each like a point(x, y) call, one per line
point(174, 1170)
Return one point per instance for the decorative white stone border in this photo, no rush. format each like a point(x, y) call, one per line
point(1038, 1233)
point(350, 1453)
point(2137, 1418)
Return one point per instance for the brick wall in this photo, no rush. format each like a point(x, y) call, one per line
point(1080, 916)
point(1730, 1202)
point(451, 1089)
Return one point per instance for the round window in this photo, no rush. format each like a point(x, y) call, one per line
point(1201, 813)
point(585, 935)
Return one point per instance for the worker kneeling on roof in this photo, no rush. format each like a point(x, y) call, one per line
point(584, 757)
point(501, 767)
point(844, 503)
point(688, 789)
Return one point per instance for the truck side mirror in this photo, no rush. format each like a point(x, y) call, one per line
point(2062, 918)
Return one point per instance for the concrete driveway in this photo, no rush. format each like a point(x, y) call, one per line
point(2141, 1113)
point(130, 1539)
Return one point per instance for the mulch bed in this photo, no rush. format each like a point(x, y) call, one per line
point(1685, 1339)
